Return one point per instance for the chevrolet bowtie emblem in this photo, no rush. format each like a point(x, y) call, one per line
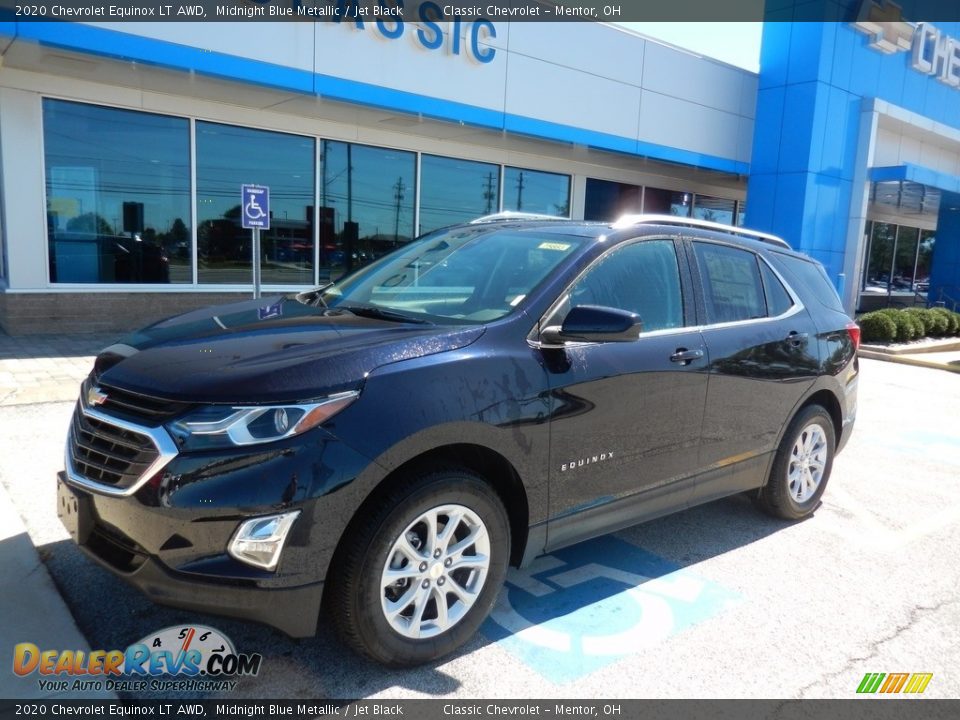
point(95, 396)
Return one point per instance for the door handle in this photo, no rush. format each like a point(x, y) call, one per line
point(685, 357)
point(796, 339)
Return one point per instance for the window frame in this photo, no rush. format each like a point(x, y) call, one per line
point(700, 288)
point(687, 294)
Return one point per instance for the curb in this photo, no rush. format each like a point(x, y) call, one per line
point(34, 612)
point(932, 346)
point(903, 360)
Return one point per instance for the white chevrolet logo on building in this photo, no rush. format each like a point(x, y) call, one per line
point(931, 52)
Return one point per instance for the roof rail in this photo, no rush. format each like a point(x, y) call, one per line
point(626, 221)
point(508, 215)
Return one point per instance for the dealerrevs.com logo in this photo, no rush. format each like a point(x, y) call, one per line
point(191, 658)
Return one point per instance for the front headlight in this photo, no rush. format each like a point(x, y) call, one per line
point(219, 426)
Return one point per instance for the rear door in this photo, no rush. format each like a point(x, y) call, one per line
point(763, 358)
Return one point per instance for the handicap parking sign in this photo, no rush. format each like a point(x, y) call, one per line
point(255, 202)
point(592, 604)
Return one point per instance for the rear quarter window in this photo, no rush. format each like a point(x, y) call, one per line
point(810, 279)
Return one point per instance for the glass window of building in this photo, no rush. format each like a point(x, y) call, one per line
point(118, 195)
point(924, 260)
point(536, 192)
point(713, 209)
point(367, 199)
point(606, 200)
point(453, 191)
point(905, 258)
point(229, 156)
point(898, 258)
point(742, 213)
point(667, 202)
point(880, 261)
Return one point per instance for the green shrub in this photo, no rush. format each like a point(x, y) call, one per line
point(877, 327)
point(932, 323)
point(908, 326)
point(951, 318)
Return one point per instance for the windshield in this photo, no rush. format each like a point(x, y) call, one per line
point(466, 275)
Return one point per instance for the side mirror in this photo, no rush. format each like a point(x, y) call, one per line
point(593, 323)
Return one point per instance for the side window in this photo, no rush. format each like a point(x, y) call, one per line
point(642, 277)
point(778, 299)
point(731, 283)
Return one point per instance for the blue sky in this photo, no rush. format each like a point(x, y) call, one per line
point(737, 43)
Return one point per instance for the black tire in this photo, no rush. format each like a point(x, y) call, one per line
point(783, 495)
point(355, 592)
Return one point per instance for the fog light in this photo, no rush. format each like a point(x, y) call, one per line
point(260, 541)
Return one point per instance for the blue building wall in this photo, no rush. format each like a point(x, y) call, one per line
point(945, 271)
point(814, 77)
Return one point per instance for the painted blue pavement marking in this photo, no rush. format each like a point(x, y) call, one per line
point(587, 606)
point(943, 445)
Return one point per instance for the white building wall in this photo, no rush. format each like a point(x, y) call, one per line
point(24, 204)
point(588, 76)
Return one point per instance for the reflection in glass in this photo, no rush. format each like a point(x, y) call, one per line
point(879, 265)
point(713, 209)
point(536, 192)
point(367, 197)
point(742, 213)
point(925, 259)
point(118, 195)
point(606, 200)
point(453, 191)
point(666, 202)
point(905, 259)
point(229, 156)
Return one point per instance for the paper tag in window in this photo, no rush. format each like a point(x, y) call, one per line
point(553, 246)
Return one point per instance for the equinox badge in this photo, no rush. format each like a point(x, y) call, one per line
point(586, 461)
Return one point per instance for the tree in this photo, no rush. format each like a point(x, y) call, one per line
point(90, 223)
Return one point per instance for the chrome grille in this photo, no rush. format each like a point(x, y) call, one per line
point(113, 456)
point(134, 405)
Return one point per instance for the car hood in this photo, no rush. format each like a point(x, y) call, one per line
point(268, 350)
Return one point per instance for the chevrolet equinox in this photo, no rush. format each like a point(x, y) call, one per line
point(377, 451)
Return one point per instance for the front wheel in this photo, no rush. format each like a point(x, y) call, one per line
point(801, 467)
point(420, 573)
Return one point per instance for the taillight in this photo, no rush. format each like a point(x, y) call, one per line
point(854, 331)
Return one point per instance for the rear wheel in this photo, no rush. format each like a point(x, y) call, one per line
point(418, 576)
point(801, 467)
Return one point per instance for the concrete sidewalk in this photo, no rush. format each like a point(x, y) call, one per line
point(36, 370)
point(46, 368)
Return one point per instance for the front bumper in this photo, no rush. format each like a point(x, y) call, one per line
point(212, 583)
point(293, 610)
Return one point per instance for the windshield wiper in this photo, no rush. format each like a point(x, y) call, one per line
point(372, 311)
point(314, 297)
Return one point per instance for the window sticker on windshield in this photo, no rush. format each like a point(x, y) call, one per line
point(553, 246)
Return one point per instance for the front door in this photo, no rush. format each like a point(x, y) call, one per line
point(625, 416)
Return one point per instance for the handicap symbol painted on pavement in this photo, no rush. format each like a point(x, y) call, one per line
point(584, 607)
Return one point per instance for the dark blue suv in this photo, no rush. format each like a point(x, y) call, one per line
point(379, 450)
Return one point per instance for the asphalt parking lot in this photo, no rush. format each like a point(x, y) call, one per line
point(718, 601)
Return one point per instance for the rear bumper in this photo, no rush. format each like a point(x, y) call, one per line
point(292, 610)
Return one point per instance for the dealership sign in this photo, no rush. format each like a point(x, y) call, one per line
point(457, 29)
point(932, 52)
